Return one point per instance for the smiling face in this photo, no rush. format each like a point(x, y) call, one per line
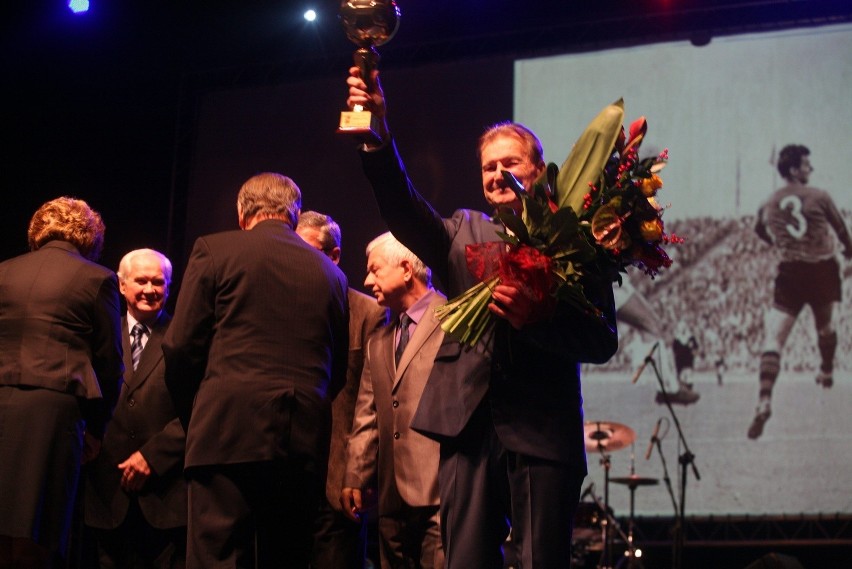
point(507, 152)
point(145, 287)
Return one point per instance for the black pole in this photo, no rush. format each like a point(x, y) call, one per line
point(685, 459)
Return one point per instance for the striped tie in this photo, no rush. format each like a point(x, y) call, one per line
point(139, 330)
point(404, 321)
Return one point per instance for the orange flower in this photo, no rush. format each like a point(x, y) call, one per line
point(651, 185)
point(651, 230)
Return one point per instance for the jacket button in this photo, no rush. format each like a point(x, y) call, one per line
point(395, 403)
point(396, 435)
point(132, 402)
point(132, 434)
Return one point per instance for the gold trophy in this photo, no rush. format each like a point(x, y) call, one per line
point(368, 23)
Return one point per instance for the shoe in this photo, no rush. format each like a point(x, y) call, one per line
point(761, 415)
point(825, 379)
point(681, 397)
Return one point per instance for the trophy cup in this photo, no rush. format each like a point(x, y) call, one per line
point(368, 23)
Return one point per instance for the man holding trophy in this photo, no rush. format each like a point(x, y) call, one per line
point(508, 411)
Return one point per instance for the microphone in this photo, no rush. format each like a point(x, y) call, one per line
point(654, 439)
point(641, 368)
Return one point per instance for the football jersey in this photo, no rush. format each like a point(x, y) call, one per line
point(800, 220)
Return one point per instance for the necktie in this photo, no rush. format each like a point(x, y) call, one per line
point(136, 334)
point(404, 321)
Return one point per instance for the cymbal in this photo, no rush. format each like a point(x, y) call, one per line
point(605, 435)
point(634, 480)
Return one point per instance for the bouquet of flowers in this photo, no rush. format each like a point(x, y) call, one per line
point(599, 208)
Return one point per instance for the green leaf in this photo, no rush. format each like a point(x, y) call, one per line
point(587, 158)
point(563, 228)
point(533, 217)
point(514, 224)
point(551, 173)
point(510, 239)
point(513, 183)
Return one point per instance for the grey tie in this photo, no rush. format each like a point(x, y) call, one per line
point(138, 331)
point(404, 322)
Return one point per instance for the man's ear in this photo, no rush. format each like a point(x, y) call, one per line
point(407, 270)
point(240, 221)
point(334, 255)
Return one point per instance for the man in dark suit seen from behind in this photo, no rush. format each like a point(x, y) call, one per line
point(255, 354)
point(340, 543)
point(60, 371)
point(135, 490)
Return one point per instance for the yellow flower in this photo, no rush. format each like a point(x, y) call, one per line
point(651, 185)
point(651, 230)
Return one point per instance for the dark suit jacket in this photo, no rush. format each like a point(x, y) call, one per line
point(144, 420)
point(59, 328)
point(257, 348)
point(382, 442)
point(365, 317)
point(531, 377)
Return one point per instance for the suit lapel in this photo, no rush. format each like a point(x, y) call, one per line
point(151, 355)
point(383, 339)
point(425, 328)
point(128, 360)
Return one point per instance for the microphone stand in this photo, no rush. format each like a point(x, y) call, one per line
point(686, 459)
point(606, 554)
point(608, 519)
point(666, 478)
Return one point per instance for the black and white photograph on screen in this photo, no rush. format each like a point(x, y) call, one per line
point(752, 335)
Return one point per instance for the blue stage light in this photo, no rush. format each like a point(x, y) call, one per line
point(78, 6)
point(310, 15)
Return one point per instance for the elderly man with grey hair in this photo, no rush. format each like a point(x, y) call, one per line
point(135, 500)
point(382, 445)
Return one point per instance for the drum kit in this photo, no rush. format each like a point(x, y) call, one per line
point(595, 528)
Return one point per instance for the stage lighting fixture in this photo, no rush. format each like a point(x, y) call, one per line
point(78, 6)
point(310, 15)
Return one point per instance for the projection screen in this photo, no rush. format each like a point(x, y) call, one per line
point(724, 111)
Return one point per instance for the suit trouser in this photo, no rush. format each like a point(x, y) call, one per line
point(410, 537)
point(484, 487)
point(339, 543)
point(258, 514)
point(137, 544)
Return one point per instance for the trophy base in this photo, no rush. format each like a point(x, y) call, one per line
point(361, 125)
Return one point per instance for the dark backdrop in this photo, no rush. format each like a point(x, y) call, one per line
point(436, 113)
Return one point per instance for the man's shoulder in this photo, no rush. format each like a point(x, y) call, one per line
point(470, 217)
point(465, 213)
point(364, 306)
point(802, 192)
point(361, 299)
point(222, 237)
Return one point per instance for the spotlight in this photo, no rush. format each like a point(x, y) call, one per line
point(310, 15)
point(78, 6)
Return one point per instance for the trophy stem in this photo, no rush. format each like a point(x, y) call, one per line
point(367, 60)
